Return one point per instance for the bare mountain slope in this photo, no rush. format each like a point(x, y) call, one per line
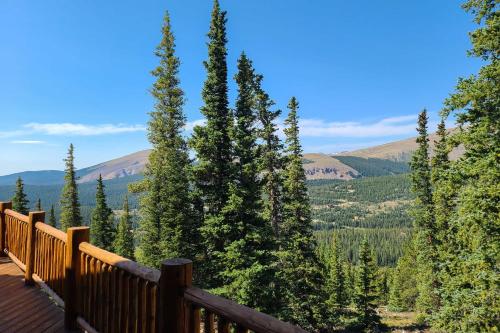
point(321, 166)
point(317, 166)
point(120, 167)
point(397, 150)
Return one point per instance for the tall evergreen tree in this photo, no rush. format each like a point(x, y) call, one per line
point(19, 200)
point(403, 292)
point(270, 157)
point(124, 240)
point(70, 206)
point(168, 228)
point(470, 279)
point(366, 288)
point(425, 229)
point(336, 280)
point(247, 275)
point(300, 274)
point(213, 146)
point(52, 217)
point(38, 206)
point(102, 228)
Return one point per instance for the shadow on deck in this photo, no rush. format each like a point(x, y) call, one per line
point(24, 308)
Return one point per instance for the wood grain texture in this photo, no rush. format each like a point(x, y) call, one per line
point(238, 314)
point(25, 308)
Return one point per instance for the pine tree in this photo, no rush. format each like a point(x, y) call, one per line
point(300, 273)
point(102, 229)
point(425, 230)
point(70, 206)
point(270, 159)
point(366, 288)
point(168, 228)
point(336, 281)
point(469, 274)
point(213, 146)
point(38, 206)
point(403, 292)
point(124, 240)
point(247, 275)
point(20, 201)
point(52, 217)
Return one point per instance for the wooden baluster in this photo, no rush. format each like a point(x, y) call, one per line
point(176, 275)
point(3, 225)
point(123, 300)
point(75, 236)
point(33, 218)
point(209, 322)
point(153, 298)
point(222, 325)
point(195, 319)
point(140, 284)
point(132, 309)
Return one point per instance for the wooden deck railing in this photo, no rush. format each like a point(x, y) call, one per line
point(103, 292)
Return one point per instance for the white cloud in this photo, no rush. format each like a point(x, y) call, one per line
point(392, 126)
point(191, 124)
point(81, 129)
point(404, 125)
point(28, 142)
point(400, 119)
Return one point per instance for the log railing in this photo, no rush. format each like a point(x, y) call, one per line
point(116, 290)
point(103, 292)
point(16, 235)
point(50, 254)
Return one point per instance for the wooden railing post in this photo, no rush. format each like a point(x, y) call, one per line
point(3, 207)
point(176, 276)
point(76, 235)
point(33, 218)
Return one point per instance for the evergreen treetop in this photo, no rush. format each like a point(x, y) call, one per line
point(70, 206)
point(167, 228)
point(336, 277)
point(213, 145)
point(247, 273)
point(366, 288)
point(102, 229)
point(19, 200)
point(425, 234)
point(270, 157)
point(38, 206)
point(124, 240)
point(300, 275)
point(52, 217)
point(212, 142)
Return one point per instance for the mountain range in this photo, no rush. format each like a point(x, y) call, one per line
point(386, 159)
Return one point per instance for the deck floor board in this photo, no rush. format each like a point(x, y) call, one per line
point(23, 308)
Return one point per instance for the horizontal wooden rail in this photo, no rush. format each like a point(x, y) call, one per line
point(51, 231)
point(229, 311)
point(125, 264)
point(16, 215)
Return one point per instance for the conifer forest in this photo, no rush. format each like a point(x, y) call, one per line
point(419, 236)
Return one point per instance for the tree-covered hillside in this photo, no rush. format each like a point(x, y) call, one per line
point(372, 206)
point(371, 167)
point(375, 207)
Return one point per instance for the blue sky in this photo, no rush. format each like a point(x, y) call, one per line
point(79, 71)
